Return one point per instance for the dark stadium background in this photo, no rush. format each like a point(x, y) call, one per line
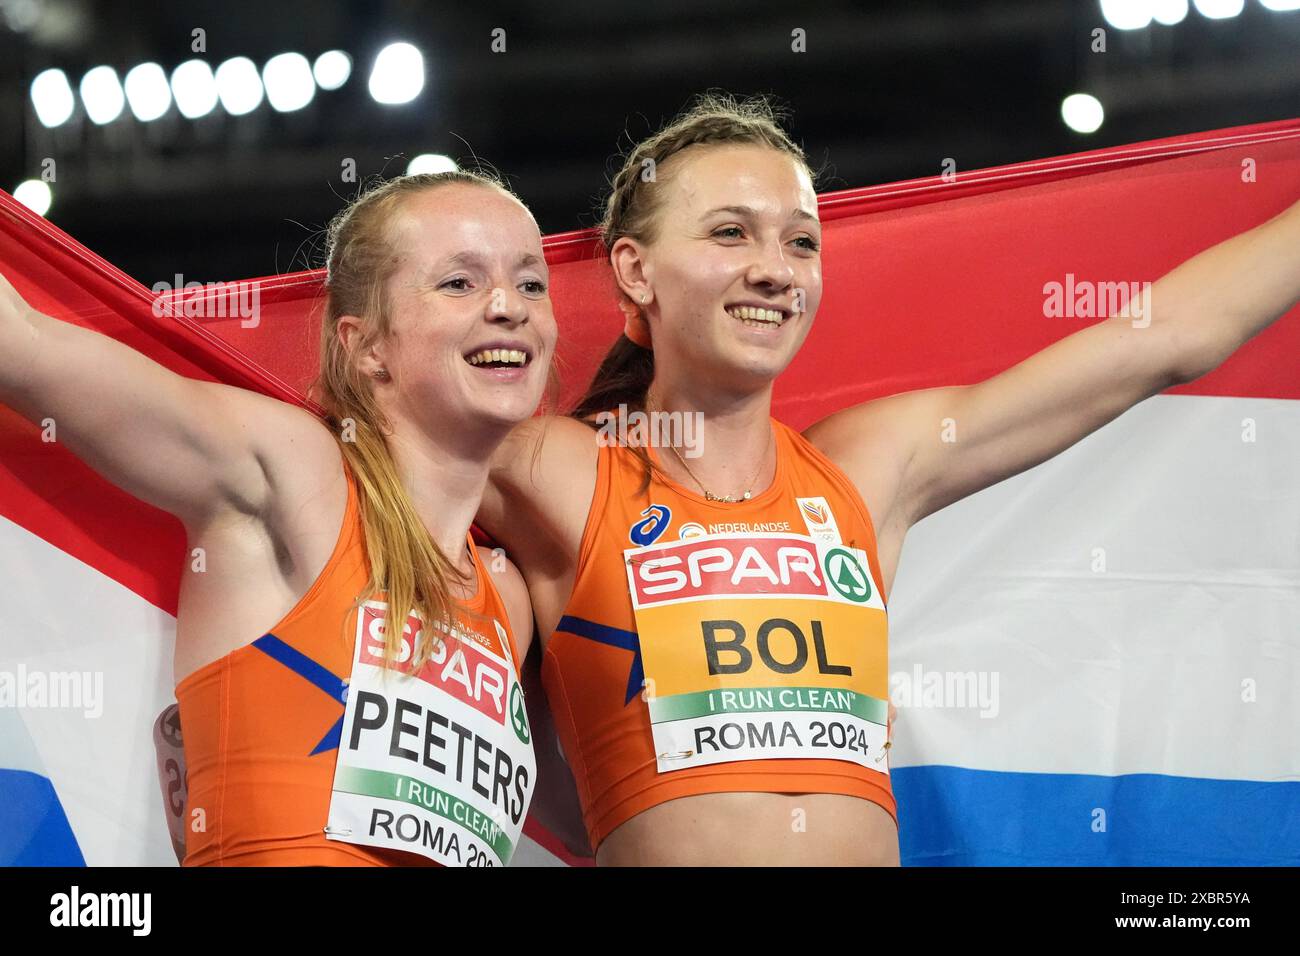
point(883, 92)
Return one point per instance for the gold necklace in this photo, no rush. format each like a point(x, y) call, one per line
point(728, 499)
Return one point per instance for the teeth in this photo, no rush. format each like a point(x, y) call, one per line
point(755, 316)
point(513, 356)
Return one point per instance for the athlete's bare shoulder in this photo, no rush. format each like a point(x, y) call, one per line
point(540, 487)
point(536, 449)
point(514, 595)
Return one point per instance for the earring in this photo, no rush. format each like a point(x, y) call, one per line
point(643, 298)
point(382, 375)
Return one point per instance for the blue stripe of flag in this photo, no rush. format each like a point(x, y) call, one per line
point(34, 830)
point(952, 816)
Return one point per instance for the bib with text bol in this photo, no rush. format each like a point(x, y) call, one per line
point(759, 646)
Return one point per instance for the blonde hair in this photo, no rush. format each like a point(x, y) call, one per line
point(632, 209)
point(405, 562)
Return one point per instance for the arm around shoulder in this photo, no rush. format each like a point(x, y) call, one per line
point(540, 486)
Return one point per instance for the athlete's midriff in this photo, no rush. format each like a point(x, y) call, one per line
point(637, 806)
point(262, 726)
point(756, 829)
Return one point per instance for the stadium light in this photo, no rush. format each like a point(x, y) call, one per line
point(431, 163)
point(1082, 112)
point(147, 91)
point(398, 74)
point(194, 88)
point(35, 195)
point(1127, 14)
point(332, 69)
point(101, 95)
point(289, 83)
point(52, 98)
point(1169, 12)
point(238, 86)
point(1219, 9)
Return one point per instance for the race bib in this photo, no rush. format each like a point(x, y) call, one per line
point(758, 646)
point(438, 762)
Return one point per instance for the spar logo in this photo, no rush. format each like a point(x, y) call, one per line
point(785, 565)
point(846, 575)
point(648, 531)
point(457, 666)
point(519, 714)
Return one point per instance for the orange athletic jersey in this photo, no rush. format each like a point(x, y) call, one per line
point(592, 668)
point(261, 726)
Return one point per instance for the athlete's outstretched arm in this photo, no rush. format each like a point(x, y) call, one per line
point(936, 446)
point(185, 446)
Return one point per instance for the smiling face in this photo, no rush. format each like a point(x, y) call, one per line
point(471, 327)
point(735, 252)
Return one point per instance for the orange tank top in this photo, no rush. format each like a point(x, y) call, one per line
point(262, 725)
point(795, 613)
